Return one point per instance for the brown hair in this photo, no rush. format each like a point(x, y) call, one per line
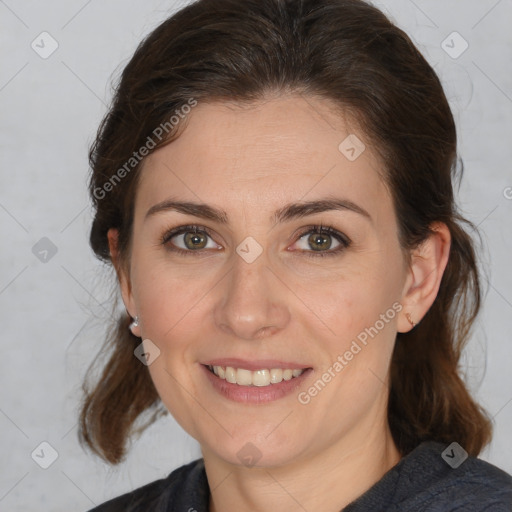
point(343, 50)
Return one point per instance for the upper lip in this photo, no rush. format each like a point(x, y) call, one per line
point(254, 365)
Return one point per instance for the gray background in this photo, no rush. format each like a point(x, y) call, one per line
point(53, 306)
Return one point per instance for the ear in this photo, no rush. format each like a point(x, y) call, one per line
point(427, 265)
point(123, 276)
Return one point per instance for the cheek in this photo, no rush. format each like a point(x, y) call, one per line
point(361, 310)
point(356, 301)
point(171, 310)
point(362, 314)
point(166, 295)
point(364, 328)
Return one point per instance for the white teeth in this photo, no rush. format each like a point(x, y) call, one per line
point(276, 375)
point(263, 377)
point(260, 378)
point(230, 375)
point(243, 377)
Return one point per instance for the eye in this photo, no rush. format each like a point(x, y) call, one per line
point(313, 241)
point(322, 241)
point(188, 239)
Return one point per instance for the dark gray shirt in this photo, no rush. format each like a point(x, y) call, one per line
point(422, 481)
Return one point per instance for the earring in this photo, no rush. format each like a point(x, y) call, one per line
point(135, 323)
point(408, 316)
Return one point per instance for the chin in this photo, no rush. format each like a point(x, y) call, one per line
point(256, 451)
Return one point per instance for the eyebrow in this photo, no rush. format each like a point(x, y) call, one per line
point(286, 213)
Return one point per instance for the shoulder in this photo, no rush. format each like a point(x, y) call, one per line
point(437, 477)
point(185, 487)
point(447, 481)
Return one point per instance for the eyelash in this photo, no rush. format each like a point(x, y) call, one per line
point(326, 230)
point(344, 241)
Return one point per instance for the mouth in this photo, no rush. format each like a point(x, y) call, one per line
point(265, 381)
point(258, 378)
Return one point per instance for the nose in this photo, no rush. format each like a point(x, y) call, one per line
point(252, 301)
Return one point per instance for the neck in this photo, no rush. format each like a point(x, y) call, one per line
point(329, 481)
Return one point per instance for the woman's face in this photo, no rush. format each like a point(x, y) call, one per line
point(258, 289)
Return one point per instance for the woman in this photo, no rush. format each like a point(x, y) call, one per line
point(273, 185)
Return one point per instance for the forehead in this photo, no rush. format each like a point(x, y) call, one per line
point(265, 153)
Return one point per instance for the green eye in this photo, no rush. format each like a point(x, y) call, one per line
point(320, 242)
point(194, 241)
point(315, 241)
point(188, 239)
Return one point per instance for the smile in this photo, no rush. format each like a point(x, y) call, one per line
point(260, 378)
point(255, 382)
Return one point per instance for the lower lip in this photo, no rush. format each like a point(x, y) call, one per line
point(255, 394)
